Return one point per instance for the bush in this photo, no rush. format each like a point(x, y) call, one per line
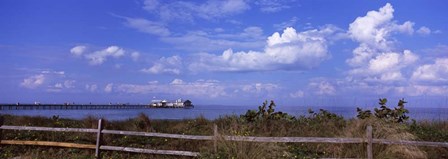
point(396, 115)
point(264, 114)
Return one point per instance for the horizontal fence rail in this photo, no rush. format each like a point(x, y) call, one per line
point(48, 143)
point(100, 131)
point(176, 136)
point(91, 146)
point(406, 142)
point(294, 139)
point(149, 151)
point(7, 127)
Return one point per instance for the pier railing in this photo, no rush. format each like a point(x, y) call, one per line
point(20, 106)
point(215, 137)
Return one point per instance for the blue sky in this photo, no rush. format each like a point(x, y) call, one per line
point(232, 52)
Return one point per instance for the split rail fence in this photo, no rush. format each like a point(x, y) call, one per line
point(100, 131)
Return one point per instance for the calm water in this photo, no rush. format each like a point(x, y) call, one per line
point(212, 112)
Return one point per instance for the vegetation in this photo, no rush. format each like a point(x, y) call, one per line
point(397, 115)
point(263, 115)
point(387, 123)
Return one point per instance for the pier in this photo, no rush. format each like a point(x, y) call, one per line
point(70, 106)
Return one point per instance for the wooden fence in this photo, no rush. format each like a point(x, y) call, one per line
point(100, 131)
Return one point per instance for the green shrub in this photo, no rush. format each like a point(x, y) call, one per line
point(396, 115)
point(264, 114)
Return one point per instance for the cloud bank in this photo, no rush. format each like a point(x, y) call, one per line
point(290, 50)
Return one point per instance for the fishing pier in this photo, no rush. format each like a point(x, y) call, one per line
point(70, 106)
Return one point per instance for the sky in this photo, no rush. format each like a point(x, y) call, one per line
point(224, 52)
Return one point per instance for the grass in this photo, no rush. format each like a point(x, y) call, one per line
point(303, 126)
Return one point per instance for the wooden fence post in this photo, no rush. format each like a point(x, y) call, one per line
point(98, 139)
point(369, 142)
point(215, 138)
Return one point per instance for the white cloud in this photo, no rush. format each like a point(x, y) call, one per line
point(147, 26)
point(198, 41)
point(135, 56)
point(259, 88)
point(290, 23)
point(374, 59)
point(169, 65)
point(78, 50)
point(58, 85)
point(419, 90)
point(49, 72)
point(375, 28)
point(69, 83)
point(250, 33)
point(91, 87)
point(108, 88)
point(297, 94)
point(188, 10)
point(199, 88)
point(289, 50)
point(388, 61)
point(439, 50)
point(177, 81)
point(215, 9)
point(151, 5)
point(322, 88)
point(361, 55)
point(271, 6)
point(385, 67)
point(219, 30)
point(424, 31)
point(33, 81)
point(99, 57)
point(432, 73)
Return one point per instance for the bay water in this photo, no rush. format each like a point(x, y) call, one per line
point(215, 111)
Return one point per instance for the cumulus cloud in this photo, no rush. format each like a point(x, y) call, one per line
point(375, 59)
point(385, 67)
point(99, 57)
point(69, 84)
point(177, 81)
point(259, 88)
point(91, 87)
point(418, 90)
point(424, 31)
point(322, 88)
point(108, 88)
point(188, 11)
point(433, 73)
point(297, 94)
point(199, 88)
point(168, 65)
point(78, 50)
point(58, 85)
point(290, 50)
point(375, 28)
point(33, 81)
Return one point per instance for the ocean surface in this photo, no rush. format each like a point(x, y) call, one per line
point(213, 112)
